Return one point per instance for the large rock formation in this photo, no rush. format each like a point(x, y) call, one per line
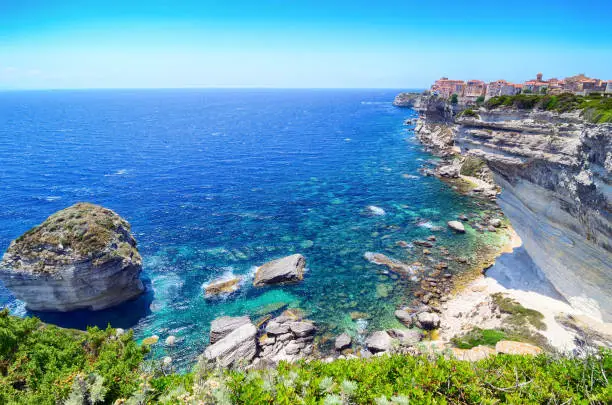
point(82, 257)
point(405, 99)
point(555, 173)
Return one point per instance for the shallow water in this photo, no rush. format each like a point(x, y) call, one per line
point(216, 182)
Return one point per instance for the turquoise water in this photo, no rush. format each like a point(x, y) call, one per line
point(216, 182)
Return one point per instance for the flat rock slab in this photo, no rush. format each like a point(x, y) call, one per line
point(288, 269)
point(406, 337)
point(239, 346)
point(404, 317)
point(302, 328)
point(473, 354)
point(509, 347)
point(221, 327)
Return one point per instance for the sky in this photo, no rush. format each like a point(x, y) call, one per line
point(51, 44)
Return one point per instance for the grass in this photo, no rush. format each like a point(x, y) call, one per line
point(478, 337)
point(595, 108)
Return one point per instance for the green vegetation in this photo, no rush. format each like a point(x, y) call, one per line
point(454, 99)
point(471, 166)
point(468, 112)
point(478, 337)
point(84, 230)
point(42, 364)
point(518, 314)
point(595, 108)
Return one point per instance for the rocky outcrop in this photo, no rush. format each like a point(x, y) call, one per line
point(342, 342)
point(405, 99)
point(554, 171)
point(237, 347)
point(288, 269)
point(221, 327)
point(237, 341)
point(287, 338)
point(82, 257)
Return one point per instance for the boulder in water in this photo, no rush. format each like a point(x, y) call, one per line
point(288, 269)
point(222, 286)
point(456, 226)
point(343, 341)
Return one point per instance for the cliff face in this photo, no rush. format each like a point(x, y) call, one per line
point(82, 257)
point(555, 174)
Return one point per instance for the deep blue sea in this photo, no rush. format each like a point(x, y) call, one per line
point(216, 182)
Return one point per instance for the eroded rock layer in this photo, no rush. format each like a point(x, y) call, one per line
point(82, 257)
point(555, 173)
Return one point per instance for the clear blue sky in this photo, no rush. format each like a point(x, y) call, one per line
point(296, 43)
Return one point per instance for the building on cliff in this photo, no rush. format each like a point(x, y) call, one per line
point(446, 88)
point(473, 90)
point(501, 88)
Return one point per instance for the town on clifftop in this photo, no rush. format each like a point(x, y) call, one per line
point(478, 91)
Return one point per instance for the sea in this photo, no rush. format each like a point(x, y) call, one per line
point(216, 182)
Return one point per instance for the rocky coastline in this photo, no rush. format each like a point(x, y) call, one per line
point(550, 174)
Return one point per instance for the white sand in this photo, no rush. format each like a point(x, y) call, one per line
point(515, 275)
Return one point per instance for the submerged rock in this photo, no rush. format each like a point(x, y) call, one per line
point(82, 257)
point(288, 269)
point(392, 264)
point(456, 226)
point(374, 210)
point(222, 286)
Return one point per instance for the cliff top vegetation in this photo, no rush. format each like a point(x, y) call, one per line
point(595, 107)
point(79, 232)
point(45, 364)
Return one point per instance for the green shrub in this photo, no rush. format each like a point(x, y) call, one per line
point(471, 166)
point(594, 107)
point(468, 112)
point(43, 364)
point(478, 337)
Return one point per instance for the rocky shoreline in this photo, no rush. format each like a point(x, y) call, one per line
point(518, 152)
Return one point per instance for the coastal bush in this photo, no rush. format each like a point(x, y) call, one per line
point(44, 364)
point(595, 108)
point(471, 166)
point(468, 112)
point(419, 379)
